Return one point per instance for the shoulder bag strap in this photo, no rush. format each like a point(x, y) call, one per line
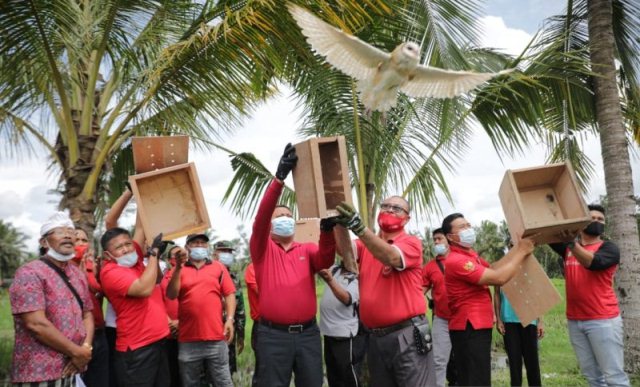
point(66, 280)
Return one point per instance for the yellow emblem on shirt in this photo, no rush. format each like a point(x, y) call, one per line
point(469, 266)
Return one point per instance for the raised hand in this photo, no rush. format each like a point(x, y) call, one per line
point(154, 250)
point(350, 219)
point(327, 224)
point(288, 161)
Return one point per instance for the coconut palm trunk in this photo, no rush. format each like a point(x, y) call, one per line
point(617, 170)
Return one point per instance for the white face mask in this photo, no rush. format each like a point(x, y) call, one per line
point(467, 237)
point(128, 260)
point(198, 253)
point(59, 256)
point(439, 249)
point(283, 226)
point(225, 258)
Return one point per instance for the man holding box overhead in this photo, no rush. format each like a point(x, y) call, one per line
point(595, 324)
point(288, 336)
point(392, 304)
point(467, 281)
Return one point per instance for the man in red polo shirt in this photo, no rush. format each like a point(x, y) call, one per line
point(467, 281)
point(392, 304)
point(200, 284)
point(288, 336)
point(433, 279)
point(595, 324)
point(132, 289)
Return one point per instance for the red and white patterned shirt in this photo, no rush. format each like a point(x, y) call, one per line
point(35, 287)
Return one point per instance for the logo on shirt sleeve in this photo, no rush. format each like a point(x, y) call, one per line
point(469, 266)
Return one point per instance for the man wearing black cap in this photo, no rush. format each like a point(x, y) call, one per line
point(200, 285)
point(223, 252)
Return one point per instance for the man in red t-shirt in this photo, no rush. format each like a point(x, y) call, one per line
point(467, 281)
point(433, 279)
point(288, 336)
point(595, 324)
point(200, 284)
point(392, 304)
point(132, 289)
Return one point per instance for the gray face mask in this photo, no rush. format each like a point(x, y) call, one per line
point(226, 258)
point(128, 260)
point(198, 253)
point(59, 256)
point(467, 237)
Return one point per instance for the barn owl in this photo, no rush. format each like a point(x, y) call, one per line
point(381, 75)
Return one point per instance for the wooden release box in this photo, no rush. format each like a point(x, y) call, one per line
point(543, 200)
point(170, 201)
point(321, 176)
point(307, 231)
point(151, 153)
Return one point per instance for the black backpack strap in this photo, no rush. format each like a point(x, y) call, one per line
point(66, 280)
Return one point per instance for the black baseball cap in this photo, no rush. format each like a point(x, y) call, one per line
point(191, 237)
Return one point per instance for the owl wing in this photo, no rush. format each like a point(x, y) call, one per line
point(439, 83)
point(345, 52)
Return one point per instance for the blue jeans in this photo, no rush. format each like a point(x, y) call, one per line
point(214, 355)
point(600, 351)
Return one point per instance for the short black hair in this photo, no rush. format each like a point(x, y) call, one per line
point(110, 234)
point(438, 231)
point(596, 207)
point(446, 222)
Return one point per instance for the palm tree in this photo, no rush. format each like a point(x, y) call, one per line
point(12, 249)
point(613, 138)
point(79, 79)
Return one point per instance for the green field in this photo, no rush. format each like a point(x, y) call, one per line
point(557, 361)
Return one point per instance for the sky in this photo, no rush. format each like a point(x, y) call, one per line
point(26, 199)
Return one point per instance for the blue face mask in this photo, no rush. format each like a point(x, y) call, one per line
point(225, 258)
point(198, 253)
point(283, 226)
point(467, 237)
point(128, 260)
point(439, 249)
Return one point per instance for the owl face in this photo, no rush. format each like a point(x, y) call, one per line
point(411, 50)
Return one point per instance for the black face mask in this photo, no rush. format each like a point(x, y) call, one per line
point(594, 229)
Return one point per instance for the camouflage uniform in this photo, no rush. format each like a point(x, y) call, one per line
point(239, 322)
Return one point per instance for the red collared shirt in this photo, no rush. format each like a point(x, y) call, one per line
point(95, 292)
point(590, 293)
point(252, 292)
point(171, 306)
point(433, 278)
point(468, 301)
point(286, 278)
point(387, 295)
point(200, 301)
point(141, 320)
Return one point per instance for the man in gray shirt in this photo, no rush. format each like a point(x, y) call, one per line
point(344, 348)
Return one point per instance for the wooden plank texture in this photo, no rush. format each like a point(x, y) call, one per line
point(151, 153)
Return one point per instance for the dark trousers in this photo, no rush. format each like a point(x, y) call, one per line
point(110, 334)
point(472, 349)
point(280, 353)
point(452, 373)
point(343, 358)
point(254, 347)
point(522, 343)
point(394, 360)
point(97, 374)
point(145, 366)
point(172, 358)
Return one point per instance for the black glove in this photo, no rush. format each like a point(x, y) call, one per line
point(287, 162)
point(350, 219)
point(156, 246)
point(327, 224)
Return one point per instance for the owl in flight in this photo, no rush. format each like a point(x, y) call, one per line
point(380, 75)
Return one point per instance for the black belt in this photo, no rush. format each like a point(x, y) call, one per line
point(293, 328)
point(396, 327)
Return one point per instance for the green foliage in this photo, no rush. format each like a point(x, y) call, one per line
point(490, 244)
point(13, 250)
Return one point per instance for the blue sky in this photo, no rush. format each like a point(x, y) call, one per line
point(26, 197)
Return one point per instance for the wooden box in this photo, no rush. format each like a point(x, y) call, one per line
point(307, 230)
point(530, 292)
point(151, 153)
point(543, 200)
point(321, 177)
point(170, 201)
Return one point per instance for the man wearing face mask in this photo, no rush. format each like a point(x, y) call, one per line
point(200, 285)
point(288, 335)
point(392, 304)
point(51, 311)
point(467, 281)
point(433, 279)
point(140, 356)
point(223, 252)
point(595, 324)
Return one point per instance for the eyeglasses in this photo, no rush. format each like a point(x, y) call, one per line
point(62, 232)
point(393, 208)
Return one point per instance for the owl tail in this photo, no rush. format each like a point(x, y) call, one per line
point(372, 98)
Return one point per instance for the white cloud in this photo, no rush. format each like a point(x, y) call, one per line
point(497, 35)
